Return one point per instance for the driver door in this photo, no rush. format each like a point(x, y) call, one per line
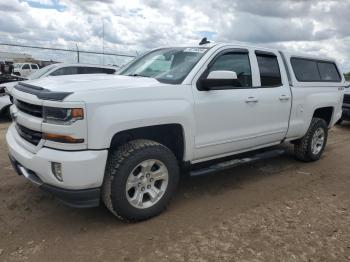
point(224, 117)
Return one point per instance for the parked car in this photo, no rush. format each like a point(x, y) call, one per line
point(24, 69)
point(123, 139)
point(53, 70)
point(346, 104)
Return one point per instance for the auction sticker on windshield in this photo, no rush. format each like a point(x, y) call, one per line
point(195, 50)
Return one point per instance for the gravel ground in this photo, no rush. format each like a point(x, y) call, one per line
point(273, 210)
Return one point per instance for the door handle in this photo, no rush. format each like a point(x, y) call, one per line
point(284, 98)
point(251, 99)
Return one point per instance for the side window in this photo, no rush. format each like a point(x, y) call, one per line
point(305, 70)
point(328, 72)
point(269, 70)
point(71, 70)
point(108, 71)
point(237, 62)
point(309, 70)
point(95, 70)
point(26, 66)
point(34, 67)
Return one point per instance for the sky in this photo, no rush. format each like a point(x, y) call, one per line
point(317, 27)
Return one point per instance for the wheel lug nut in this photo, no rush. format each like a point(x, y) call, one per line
point(147, 175)
point(151, 180)
point(142, 177)
point(149, 186)
point(142, 189)
point(139, 184)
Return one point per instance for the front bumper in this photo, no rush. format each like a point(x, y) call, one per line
point(4, 102)
point(82, 171)
point(75, 198)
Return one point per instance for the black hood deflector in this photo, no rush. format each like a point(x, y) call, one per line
point(42, 93)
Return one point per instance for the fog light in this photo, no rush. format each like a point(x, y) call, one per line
point(57, 170)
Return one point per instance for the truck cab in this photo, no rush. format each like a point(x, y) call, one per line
point(123, 139)
point(24, 69)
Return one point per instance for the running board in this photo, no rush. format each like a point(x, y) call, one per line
point(236, 162)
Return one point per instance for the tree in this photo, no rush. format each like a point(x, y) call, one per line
point(347, 76)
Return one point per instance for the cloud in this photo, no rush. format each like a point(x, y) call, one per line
point(316, 26)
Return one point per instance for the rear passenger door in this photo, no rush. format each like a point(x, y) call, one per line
point(273, 98)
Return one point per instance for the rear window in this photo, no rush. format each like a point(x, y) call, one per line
point(269, 70)
point(307, 70)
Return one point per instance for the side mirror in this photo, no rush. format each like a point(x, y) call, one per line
point(218, 80)
point(222, 75)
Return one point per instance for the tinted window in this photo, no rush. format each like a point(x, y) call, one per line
point(26, 66)
point(238, 63)
point(95, 70)
point(328, 72)
point(71, 70)
point(305, 70)
point(34, 66)
point(269, 70)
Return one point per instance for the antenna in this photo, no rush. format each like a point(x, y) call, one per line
point(204, 41)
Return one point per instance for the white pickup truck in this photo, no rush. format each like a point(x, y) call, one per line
point(123, 138)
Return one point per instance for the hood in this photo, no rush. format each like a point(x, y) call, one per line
point(91, 82)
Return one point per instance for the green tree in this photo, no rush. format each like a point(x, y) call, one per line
point(347, 76)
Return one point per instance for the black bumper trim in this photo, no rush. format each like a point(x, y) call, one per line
point(82, 198)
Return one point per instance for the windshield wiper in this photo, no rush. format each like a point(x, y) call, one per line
point(137, 75)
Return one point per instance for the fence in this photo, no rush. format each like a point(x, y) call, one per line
point(56, 54)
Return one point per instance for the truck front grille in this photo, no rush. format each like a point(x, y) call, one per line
point(30, 109)
point(29, 135)
point(346, 99)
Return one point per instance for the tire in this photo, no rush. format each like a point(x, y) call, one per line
point(124, 164)
point(7, 113)
point(303, 148)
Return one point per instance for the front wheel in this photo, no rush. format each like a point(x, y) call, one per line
point(311, 146)
point(141, 176)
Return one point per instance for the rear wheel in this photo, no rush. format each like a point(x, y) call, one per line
point(141, 177)
point(311, 146)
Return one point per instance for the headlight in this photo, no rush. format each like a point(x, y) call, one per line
point(62, 116)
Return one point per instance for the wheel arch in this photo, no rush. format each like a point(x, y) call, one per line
point(169, 135)
point(325, 113)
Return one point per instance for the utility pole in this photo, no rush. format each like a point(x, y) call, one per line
point(103, 42)
point(78, 55)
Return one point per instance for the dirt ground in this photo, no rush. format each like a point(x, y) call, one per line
point(275, 210)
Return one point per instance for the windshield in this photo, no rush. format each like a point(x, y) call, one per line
point(17, 65)
point(39, 73)
point(168, 65)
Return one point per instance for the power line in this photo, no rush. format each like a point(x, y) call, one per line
point(66, 50)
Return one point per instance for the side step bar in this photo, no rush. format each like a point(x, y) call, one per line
point(236, 162)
